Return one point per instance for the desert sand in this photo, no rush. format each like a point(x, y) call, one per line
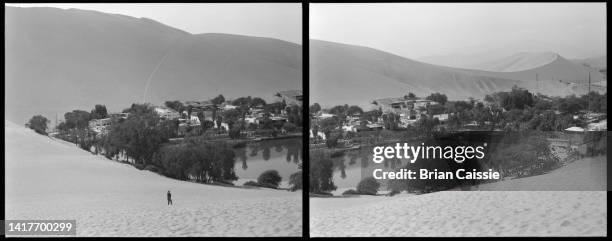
point(50, 179)
point(478, 213)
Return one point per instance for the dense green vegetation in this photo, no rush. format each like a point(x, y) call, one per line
point(321, 174)
point(203, 162)
point(269, 178)
point(514, 110)
point(295, 181)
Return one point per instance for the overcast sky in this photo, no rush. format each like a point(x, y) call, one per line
point(415, 30)
point(275, 20)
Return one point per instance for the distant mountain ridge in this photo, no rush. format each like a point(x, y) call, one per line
point(58, 60)
point(542, 66)
point(350, 74)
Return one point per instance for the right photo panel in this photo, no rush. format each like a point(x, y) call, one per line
point(457, 119)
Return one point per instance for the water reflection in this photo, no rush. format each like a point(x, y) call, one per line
point(350, 166)
point(282, 155)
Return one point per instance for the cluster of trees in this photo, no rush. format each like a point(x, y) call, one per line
point(522, 99)
point(514, 110)
point(99, 112)
point(340, 112)
point(321, 173)
point(143, 140)
point(526, 111)
point(593, 101)
point(200, 161)
point(138, 136)
point(391, 121)
point(38, 123)
point(523, 153)
point(367, 186)
point(75, 127)
point(321, 177)
point(249, 102)
point(269, 178)
point(517, 98)
point(295, 181)
point(272, 179)
point(438, 97)
point(410, 96)
point(518, 112)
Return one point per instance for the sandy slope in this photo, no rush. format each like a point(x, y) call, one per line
point(85, 55)
point(517, 213)
point(518, 62)
point(342, 73)
point(557, 69)
point(600, 62)
point(476, 213)
point(51, 179)
point(588, 174)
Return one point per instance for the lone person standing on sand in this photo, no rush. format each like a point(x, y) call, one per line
point(169, 198)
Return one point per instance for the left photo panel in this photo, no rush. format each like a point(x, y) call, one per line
point(156, 120)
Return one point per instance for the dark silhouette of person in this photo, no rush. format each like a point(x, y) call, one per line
point(169, 198)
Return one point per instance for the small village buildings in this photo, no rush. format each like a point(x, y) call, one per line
point(278, 119)
point(119, 115)
point(229, 107)
point(349, 128)
point(194, 119)
point(575, 129)
point(319, 134)
point(251, 120)
point(167, 113)
point(223, 126)
point(100, 126)
point(598, 126)
point(325, 116)
point(412, 108)
point(353, 119)
point(443, 118)
point(375, 126)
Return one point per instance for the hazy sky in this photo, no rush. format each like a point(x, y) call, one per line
point(275, 20)
point(415, 30)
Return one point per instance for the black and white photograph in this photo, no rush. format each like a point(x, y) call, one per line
point(305, 119)
point(457, 119)
point(154, 120)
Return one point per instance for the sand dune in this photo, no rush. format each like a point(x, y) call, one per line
point(600, 62)
point(51, 179)
point(478, 213)
point(548, 66)
point(520, 213)
point(518, 62)
point(341, 74)
point(588, 174)
point(90, 57)
point(349, 74)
